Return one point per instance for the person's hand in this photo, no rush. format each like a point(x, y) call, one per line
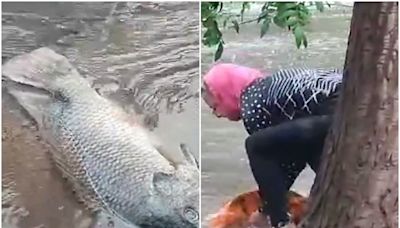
point(290, 225)
point(258, 220)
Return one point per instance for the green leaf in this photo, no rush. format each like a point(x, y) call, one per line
point(293, 15)
point(226, 20)
point(279, 22)
point(289, 13)
point(219, 51)
point(304, 16)
point(262, 15)
point(271, 10)
point(213, 5)
point(245, 5)
point(207, 33)
point(264, 27)
point(282, 6)
point(320, 6)
point(213, 39)
point(236, 25)
point(305, 42)
point(292, 21)
point(220, 7)
point(265, 6)
point(298, 34)
point(209, 22)
point(213, 35)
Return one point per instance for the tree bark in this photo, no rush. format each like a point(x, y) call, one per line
point(357, 185)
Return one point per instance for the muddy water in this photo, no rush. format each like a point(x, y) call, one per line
point(225, 169)
point(142, 56)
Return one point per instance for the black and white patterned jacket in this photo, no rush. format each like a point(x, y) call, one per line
point(289, 94)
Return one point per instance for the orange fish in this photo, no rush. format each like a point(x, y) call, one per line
point(237, 212)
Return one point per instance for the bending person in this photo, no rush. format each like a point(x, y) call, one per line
point(287, 115)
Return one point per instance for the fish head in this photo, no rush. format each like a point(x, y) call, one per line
point(175, 199)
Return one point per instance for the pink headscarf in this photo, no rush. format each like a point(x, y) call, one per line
point(225, 83)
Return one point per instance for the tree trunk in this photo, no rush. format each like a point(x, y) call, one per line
point(357, 185)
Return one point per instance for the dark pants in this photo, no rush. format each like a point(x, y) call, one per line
point(279, 153)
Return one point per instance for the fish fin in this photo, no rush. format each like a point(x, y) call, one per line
point(186, 158)
point(190, 159)
point(173, 159)
point(38, 68)
point(27, 78)
point(33, 102)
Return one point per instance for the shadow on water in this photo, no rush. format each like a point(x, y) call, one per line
point(225, 169)
point(143, 56)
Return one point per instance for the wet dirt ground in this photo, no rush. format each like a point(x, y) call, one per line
point(139, 55)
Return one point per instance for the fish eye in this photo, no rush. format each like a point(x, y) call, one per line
point(191, 214)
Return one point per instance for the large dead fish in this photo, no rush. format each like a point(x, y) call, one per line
point(110, 159)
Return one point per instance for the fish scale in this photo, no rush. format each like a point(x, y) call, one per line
point(110, 159)
point(123, 146)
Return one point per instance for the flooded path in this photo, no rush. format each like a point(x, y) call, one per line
point(225, 169)
point(139, 55)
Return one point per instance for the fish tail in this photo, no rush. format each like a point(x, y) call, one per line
point(33, 79)
point(39, 68)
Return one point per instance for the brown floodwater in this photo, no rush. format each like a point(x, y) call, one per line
point(225, 168)
point(144, 56)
